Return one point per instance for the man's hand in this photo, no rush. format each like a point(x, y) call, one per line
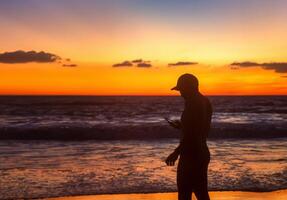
point(175, 124)
point(170, 160)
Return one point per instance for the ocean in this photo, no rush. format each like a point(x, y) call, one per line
point(72, 145)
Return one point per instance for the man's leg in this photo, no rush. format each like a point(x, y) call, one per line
point(201, 185)
point(183, 181)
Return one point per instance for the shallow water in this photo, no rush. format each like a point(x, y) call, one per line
point(49, 168)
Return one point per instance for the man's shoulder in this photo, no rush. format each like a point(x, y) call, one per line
point(205, 99)
point(207, 103)
point(197, 103)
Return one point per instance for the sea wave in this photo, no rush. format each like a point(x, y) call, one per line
point(113, 118)
point(138, 132)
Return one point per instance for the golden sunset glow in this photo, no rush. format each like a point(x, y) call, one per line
point(95, 36)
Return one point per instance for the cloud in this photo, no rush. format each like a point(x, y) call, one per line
point(69, 65)
point(182, 64)
point(245, 64)
point(138, 61)
point(284, 76)
point(28, 56)
point(123, 64)
point(144, 65)
point(279, 67)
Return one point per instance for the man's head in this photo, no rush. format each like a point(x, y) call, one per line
point(187, 84)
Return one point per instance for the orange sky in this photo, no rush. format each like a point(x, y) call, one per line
point(98, 35)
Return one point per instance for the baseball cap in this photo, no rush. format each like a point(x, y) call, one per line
point(186, 81)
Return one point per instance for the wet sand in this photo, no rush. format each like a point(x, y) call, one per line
point(277, 195)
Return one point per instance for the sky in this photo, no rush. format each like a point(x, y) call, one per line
point(141, 47)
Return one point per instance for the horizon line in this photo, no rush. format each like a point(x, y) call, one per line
point(126, 95)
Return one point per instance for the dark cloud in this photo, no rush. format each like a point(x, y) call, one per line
point(138, 61)
point(69, 65)
point(182, 64)
point(27, 56)
point(147, 65)
point(123, 64)
point(245, 64)
point(279, 67)
point(284, 76)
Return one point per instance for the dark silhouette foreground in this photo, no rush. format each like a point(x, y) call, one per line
point(193, 151)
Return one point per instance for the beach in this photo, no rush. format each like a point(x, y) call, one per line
point(226, 195)
point(71, 146)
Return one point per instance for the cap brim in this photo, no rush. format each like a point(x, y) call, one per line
point(175, 88)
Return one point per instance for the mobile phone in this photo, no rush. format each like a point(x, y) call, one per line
point(168, 120)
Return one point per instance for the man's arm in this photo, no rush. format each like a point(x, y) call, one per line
point(178, 148)
point(170, 161)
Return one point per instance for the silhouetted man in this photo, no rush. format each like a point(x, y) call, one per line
point(194, 154)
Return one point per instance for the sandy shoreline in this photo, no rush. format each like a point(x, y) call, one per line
point(225, 195)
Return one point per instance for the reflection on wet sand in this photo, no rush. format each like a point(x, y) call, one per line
point(277, 195)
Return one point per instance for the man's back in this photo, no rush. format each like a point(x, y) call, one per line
point(196, 119)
